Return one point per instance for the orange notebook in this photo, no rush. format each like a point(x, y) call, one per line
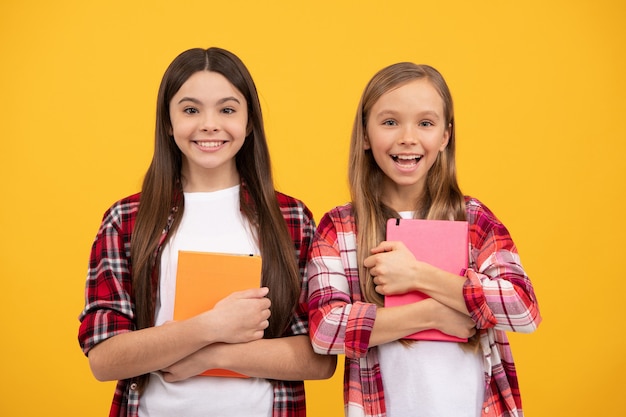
point(204, 278)
point(441, 243)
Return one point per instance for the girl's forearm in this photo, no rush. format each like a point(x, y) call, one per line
point(138, 352)
point(240, 317)
point(395, 323)
point(287, 359)
point(444, 287)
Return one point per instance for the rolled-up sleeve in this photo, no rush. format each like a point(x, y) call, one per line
point(338, 324)
point(108, 304)
point(498, 293)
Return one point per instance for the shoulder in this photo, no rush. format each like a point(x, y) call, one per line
point(123, 211)
point(285, 200)
point(293, 208)
point(126, 205)
point(481, 219)
point(341, 212)
point(340, 218)
point(477, 209)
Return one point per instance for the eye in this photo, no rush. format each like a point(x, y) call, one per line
point(190, 110)
point(426, 123)
point(389, 122)
point(228, 110)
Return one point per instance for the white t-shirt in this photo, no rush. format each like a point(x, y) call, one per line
point(211, 222)
point(431, 379)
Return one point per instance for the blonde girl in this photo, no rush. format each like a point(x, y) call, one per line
point(402, 164)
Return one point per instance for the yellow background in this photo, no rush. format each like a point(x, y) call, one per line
point(538, 87)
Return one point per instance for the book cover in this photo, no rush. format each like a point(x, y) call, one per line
point(204, 278)
point(441, 243)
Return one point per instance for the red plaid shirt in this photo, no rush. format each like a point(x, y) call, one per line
point(109, 308)
point(498, 295)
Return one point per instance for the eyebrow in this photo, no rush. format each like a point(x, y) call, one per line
point(386, 113)
point(430, 113)
point(425, 113)
point(220, 101)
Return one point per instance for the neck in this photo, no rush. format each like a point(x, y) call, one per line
point(195, 181)
point(402, 198)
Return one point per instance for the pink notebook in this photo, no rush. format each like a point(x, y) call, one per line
point(441, 243)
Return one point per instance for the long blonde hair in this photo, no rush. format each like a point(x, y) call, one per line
point(442, 197)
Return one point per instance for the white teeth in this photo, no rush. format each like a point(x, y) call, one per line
point(406, 157)
point(211, 144)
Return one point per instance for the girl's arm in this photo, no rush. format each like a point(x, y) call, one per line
point(495, 291)
point(498, 292)
point(340, 322)
point(286, 359)
point(240, 317)
point(395, 323)
point(396, 271)
point(339, 325)
point(107, 334)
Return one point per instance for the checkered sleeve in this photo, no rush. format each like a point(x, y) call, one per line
point(301, 226)
point(108, 305)
point(338, 324)
point(498, 292)
point(289, 398)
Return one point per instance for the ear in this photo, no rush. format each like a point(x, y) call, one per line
point(366, 143)
point(446, 138)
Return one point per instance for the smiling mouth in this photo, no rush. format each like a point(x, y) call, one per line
point(210, 143)
point(406, 160)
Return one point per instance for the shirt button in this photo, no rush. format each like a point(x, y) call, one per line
point(133, 386)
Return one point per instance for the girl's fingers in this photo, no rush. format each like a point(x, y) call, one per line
point(253, 293)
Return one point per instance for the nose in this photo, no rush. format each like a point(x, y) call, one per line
point(210, 122)
point(408, 135)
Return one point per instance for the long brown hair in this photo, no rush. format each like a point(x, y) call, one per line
point(442, 197)
point(161, 205)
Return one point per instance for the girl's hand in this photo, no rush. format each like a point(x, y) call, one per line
point(194, 364)
point(451, 321)
point(394, 268)
point(242, 316)
point(396, 271)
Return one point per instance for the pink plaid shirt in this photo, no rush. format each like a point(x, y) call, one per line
point(109, 307)
point(498, 294)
